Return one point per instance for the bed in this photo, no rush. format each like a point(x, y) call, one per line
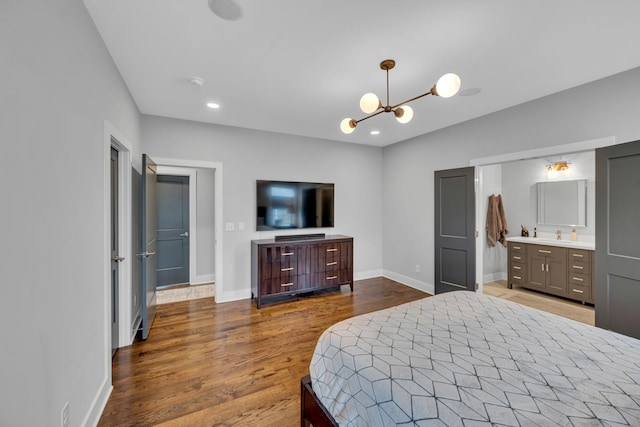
point(466, 359)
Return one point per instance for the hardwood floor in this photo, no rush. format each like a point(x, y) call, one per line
point(208, 364)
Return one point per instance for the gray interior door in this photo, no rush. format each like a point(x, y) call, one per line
point(173, 230)
point(617, 285)
point(455, 246)
point(115, 257)
point(149, 243)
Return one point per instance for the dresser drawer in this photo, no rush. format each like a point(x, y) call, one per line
point(280, 285)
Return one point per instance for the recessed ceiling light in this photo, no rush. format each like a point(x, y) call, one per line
point(375, 132)
point(228, 10)
point(470, 91)
point(212, 105)
point(196, 81)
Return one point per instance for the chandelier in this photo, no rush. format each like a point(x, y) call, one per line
point(447, 86)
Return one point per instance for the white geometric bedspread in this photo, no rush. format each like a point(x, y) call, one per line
point(465, 359)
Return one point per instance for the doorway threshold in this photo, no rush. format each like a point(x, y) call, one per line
point(184, 292)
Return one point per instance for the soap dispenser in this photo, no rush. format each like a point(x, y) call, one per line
point(574, 235)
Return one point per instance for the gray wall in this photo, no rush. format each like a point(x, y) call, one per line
point(249, 155)
point(608, 107)
point(58, 86)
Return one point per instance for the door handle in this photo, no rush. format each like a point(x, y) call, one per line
point(185, 234)
point(145, 254)
point(118, 258)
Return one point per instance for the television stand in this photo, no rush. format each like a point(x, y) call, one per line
point(300, 265)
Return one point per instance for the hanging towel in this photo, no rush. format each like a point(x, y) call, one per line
point(496, 221)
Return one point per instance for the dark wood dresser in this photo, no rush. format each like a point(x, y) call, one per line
point(289, 267)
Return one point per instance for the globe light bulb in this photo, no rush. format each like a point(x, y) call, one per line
point(369, 102)
point(404, 114)
point(347, 126)
point(448, 85)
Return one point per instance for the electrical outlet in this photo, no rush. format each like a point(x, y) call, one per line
point(417, 268)
point(64, 415)
point(229, 226)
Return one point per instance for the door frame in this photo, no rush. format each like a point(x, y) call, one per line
point(113, 138)
point(193, 182)
point(220, 294)
point(481, 203)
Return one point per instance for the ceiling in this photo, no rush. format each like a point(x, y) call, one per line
point(299, 67)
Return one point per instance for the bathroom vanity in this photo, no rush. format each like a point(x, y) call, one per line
point(557, 267)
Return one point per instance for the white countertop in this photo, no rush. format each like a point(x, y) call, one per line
point(553, 242)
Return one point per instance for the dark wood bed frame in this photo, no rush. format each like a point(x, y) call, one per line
point(312, 411)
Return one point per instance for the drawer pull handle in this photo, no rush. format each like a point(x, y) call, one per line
point(517, 267)
point(284, 285)
point(332, 277)
point(287, 253)
point(517, 277)
point(287, 269)
point(516, 247)
point(578, 279)
point(578, 255)
point(332, 263)
point(578, 291)
point(577, 267)
point(332, 250)
point(516, 257)
point(543, 251)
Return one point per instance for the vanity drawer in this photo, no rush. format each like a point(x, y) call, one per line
point(519, 269)
point(580, 292)
point(518, 257)
point(548, 251)
point(579, 255)
point(517, 278)
point(579, 279)
point(518, 248)
point(579, 267)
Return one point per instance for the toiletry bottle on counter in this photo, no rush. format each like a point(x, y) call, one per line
point(535, 231)
point(574, 235)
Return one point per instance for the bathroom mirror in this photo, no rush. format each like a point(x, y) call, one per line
point(562, 203)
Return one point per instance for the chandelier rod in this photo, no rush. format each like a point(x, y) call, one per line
point(389, 108)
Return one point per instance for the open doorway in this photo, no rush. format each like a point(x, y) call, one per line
point(514, 176)
point(205, 216)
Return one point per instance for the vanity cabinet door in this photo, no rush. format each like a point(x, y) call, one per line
point(548, 269)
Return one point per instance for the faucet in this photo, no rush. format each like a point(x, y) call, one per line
point(559, 234)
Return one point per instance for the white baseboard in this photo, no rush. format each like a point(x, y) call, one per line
point(233, 295)
point(411, 282)
point(361, 275)
point(493, 277)
point(204, 278)
point(99, 403)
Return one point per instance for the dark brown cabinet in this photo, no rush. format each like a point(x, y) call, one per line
point(560, 271)
point(280, 268)
point(547, 269)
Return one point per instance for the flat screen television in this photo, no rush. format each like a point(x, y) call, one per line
point(284, 205)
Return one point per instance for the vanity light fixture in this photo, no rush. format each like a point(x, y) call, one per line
point(446, 86)
point(561, 167)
